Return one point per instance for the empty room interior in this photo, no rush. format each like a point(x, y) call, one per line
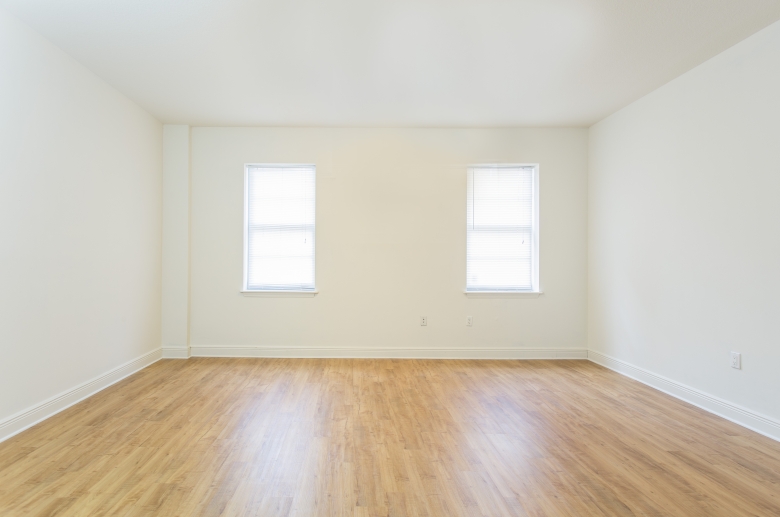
point(410, 258)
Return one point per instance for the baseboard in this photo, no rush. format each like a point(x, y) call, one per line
point(390, 353)
point(739, 415)
point(17, 423)
point(175, 352)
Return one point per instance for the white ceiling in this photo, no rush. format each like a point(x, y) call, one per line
point(392, 62)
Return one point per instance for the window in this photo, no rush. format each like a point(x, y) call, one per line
point(279, 228)
point(502, 229)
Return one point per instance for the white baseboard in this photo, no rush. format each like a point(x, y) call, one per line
point(391, 353)
point(17, 423)
point(175, 352)
point(739, 415)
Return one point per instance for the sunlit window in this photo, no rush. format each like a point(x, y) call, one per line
point(502, 231)
point(279, 228)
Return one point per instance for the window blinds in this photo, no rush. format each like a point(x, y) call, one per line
point(501, 230)
point(279, 239)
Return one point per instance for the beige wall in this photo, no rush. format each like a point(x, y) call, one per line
point(684, 234)
point(176, 241)
point(80, 220)
point(390, 243)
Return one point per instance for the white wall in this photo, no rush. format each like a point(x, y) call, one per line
point(80, 220)
point(176, 241)
point(684, 232)
point(390, 244)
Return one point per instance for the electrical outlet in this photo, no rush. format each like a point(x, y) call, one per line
point(423, 321)
point(736, 360)
point(469, 321)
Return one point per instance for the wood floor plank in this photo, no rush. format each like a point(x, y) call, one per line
point(354, 438)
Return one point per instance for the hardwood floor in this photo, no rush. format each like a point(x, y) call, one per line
point(274, 437)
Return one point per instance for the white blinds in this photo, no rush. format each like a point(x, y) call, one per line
point(501, 230)
point(279, 239)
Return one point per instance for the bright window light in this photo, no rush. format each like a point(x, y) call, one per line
point(279, 228)
point(502, 229)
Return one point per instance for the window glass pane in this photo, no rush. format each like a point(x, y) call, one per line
point(280, 228)
point(280, 273)
point(282, 196)
point(497, 274)
point(501, 197)
point(500, 229)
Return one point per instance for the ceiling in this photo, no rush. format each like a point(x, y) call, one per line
point(392, 62)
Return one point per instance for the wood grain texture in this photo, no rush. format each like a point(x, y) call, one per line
point(358, 438)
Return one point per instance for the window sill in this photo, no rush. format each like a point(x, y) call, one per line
point(280, 294)
point(503, 294)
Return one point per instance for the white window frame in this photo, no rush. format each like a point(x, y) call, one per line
point(536, 289)
point(275, 292)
